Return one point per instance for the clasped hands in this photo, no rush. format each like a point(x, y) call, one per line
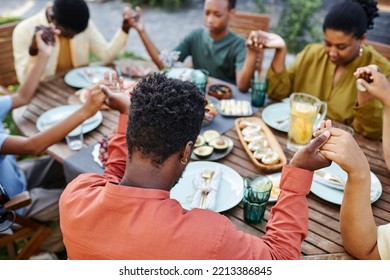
point(111, 87)
point(332, 144)
point(259, 39)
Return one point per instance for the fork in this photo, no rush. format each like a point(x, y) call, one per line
point(206, 175)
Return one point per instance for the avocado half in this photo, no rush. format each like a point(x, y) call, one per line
point(220, 144)
point(203, 151)
point(210, 135)
point(200, 141)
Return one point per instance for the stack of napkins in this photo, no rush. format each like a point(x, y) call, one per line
point(211, 197)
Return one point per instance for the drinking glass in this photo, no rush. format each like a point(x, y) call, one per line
point(75, 138)
point(304, 110)
point(257, 190)
point(259, 91)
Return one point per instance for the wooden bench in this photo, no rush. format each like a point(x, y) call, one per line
point(242, 23)
point(7, 68)
point(383, 49)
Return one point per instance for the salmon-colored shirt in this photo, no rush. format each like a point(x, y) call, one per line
point(103, 220)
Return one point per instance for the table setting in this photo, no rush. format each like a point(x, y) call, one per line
point(84, 77)
point(328, 184)
point(224, 189)
point(57, 114)
point(324, 200)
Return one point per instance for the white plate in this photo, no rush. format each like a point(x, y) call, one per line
point(277, 116)
point(78, 77)
point(336, 196)
point(275, 178)
point(55, 115)
point(230, 192)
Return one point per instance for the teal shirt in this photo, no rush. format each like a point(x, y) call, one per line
point(221, 58)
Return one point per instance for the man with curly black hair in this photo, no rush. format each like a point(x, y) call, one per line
point(78, 36)
point(127, 212)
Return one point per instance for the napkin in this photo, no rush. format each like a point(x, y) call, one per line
point(211, 197)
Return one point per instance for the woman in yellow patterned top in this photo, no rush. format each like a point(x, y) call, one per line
point(326, 70)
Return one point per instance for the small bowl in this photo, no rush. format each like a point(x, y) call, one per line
point(220, 91)
point(210, 113)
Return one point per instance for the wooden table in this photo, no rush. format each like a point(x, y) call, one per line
point(51, 93)
point(324, 239)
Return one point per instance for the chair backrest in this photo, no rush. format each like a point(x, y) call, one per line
point(382, 48)
point(31, 232)
point(243, 23)
point(7, 68)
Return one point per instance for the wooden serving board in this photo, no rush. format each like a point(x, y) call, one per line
point(272, 141)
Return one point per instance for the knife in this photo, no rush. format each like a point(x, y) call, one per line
point(329, 179)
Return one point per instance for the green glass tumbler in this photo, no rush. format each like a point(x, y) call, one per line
point(259, 91)
point(257, 190)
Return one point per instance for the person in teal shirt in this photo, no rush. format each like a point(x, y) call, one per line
point(213, 48)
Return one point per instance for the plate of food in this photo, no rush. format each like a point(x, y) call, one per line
point(220, 91)
point(210, 110)
point(136, 68)
point(84, 77)
point(214, 148)
point(260, 144)
point(57, 114)
point(332, 192)
point(100, 153)
point(230, 191)
point(235, 108)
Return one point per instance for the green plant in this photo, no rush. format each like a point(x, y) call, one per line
point(169, 5)
point(260, 6)
point(298, 25)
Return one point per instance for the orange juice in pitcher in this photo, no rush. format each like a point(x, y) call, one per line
point(304, 110)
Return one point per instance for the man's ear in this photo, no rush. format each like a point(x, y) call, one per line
point(186, 153)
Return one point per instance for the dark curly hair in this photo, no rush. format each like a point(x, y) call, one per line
point(232, 4)
point(72, 14)
point(353, 17)
point(164, 115)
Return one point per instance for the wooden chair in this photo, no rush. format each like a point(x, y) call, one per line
point(382, 48)
point(27, 231)
point(243, 23)
point(7, 68)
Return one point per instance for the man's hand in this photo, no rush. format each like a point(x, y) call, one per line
point(116, 100)
point(309, 157)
